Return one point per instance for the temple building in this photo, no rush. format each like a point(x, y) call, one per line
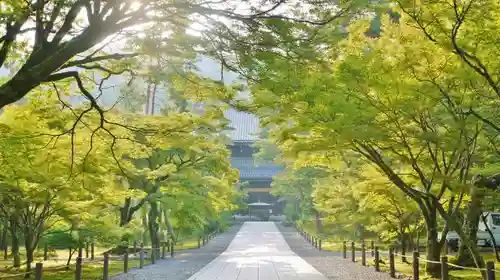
point(246, 131)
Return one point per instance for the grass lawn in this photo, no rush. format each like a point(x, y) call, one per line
point(405, 268)
point(91, 270)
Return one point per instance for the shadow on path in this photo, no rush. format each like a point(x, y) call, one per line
point(331, 264)
point(185, 263)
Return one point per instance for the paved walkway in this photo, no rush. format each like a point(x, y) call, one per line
point(331, 264)
point(258, 252)
point(185, 263)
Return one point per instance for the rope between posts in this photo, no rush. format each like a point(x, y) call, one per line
point(468, 268)
point(428, 261)
point(401, 255)
point(51, 268)
point(15, 275)
point(93, 261)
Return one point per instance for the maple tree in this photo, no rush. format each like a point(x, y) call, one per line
point(397, 101)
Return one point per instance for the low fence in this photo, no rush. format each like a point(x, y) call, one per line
point(152, 254)
point(377, 254)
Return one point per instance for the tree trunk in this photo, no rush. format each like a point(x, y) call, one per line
point(455, 225)
point(433, 250)
point(29, 258)
point(403, 242)
point(4, 242)
point(15, 243)
point(28, 244)
point(319, 226)
point(470, 225)
point(170, 228)
point(153, 225)
point(145, 227)
point(71, 252)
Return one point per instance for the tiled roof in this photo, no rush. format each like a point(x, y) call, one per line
point(245, 126)
point(248, 170)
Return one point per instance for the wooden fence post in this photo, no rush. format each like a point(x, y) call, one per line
point(416, 269)
point(105, 268)
point(87, 250)
point(490, 270)
point(39, 271)
point(199, 243)
point(92, 251)
point(172, 249)
point(78, 268)
point(444, 268)
point(372, 244)
point(392, 267)
point(403, 255)
point(45, 252)
point(363, 253)
point(125, 261)
point(344, 249)
point(320, 245)
point(153, 254)
point(377, 259)
point(141, 256)
point(163, 251)
point(353, 251)
point(168, 245)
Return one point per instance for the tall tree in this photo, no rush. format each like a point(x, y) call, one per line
point(362, 96)
point(44, 41)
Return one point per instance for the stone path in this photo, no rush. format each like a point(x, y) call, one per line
point(331, 264)
point(186, 262)
point(258, 252)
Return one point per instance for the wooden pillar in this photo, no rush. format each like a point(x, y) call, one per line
point(490, 270)
point(344, 249)
point(45, 252)
point(392, 266)
point(444, 268)
point(105, 268)
point(78, 267)
point(353, 251)
point(141, 256)
point(125, 261)
point(377, 259)
point(363, 253)
point(372, 244)
point(416, 269)
point(39, 271)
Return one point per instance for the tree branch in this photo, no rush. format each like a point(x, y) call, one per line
point(10, 37)
point(68, 21)
point(90, 59)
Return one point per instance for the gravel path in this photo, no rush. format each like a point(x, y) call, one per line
point(331, 264)
point(186, 262)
